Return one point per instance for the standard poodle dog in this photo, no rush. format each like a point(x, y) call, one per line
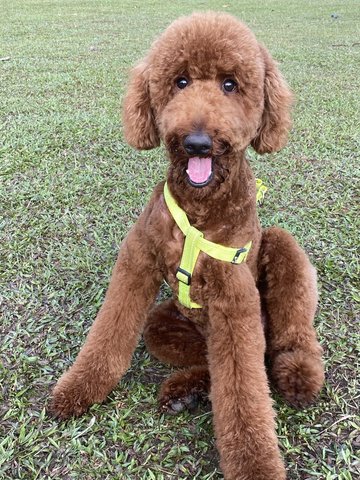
point(208, 90)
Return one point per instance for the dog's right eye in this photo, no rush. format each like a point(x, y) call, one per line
point(182, 82)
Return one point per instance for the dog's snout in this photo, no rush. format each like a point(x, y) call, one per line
point(197, 143)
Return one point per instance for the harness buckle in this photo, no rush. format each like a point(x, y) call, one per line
point(237, 255)
point(183, 276)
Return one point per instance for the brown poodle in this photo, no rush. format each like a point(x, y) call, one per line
point(208, 90)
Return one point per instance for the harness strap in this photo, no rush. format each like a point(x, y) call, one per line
point(195, 242)
point(188, 260)
point(261, 189)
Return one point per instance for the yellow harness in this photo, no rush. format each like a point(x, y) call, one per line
point(195, 242)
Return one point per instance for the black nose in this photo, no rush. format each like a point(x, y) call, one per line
point(197, 143)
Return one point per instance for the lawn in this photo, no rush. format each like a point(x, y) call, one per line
point(70, 188)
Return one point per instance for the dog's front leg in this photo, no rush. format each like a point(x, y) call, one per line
point(107, 351)
point(243, 415)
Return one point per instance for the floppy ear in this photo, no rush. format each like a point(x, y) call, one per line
point(138, 118)
point(276, 122)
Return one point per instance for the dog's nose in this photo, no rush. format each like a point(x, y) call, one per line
point(197, 143)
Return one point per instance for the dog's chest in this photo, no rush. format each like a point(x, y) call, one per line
point(169, 243)
point(172, 257)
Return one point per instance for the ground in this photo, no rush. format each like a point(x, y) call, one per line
point(70, 189)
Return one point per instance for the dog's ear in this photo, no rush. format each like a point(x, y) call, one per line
point(138, 118)
point(276, 122)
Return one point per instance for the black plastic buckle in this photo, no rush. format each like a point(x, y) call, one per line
point(183, 272)
point(237, 254)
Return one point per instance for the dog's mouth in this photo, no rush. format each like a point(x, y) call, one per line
point(200, 171)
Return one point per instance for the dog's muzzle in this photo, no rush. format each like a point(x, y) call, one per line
point(200, 165)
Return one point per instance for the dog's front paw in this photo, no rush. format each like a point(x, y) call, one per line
point(71, 397)
point(298, 375)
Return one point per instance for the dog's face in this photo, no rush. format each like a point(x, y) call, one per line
point(208, 90)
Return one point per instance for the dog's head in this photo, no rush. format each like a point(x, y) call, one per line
point(208, 90)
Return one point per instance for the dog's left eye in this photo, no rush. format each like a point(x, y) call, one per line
point(229, 85)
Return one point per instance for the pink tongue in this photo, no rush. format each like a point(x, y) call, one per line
point(199, 169)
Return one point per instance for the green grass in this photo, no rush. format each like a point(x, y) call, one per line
point(70, 189)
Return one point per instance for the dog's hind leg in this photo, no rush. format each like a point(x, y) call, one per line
point(185, 389)
point(173, 339)
point(287, 284)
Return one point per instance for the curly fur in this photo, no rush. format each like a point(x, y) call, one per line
point(222, 346)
